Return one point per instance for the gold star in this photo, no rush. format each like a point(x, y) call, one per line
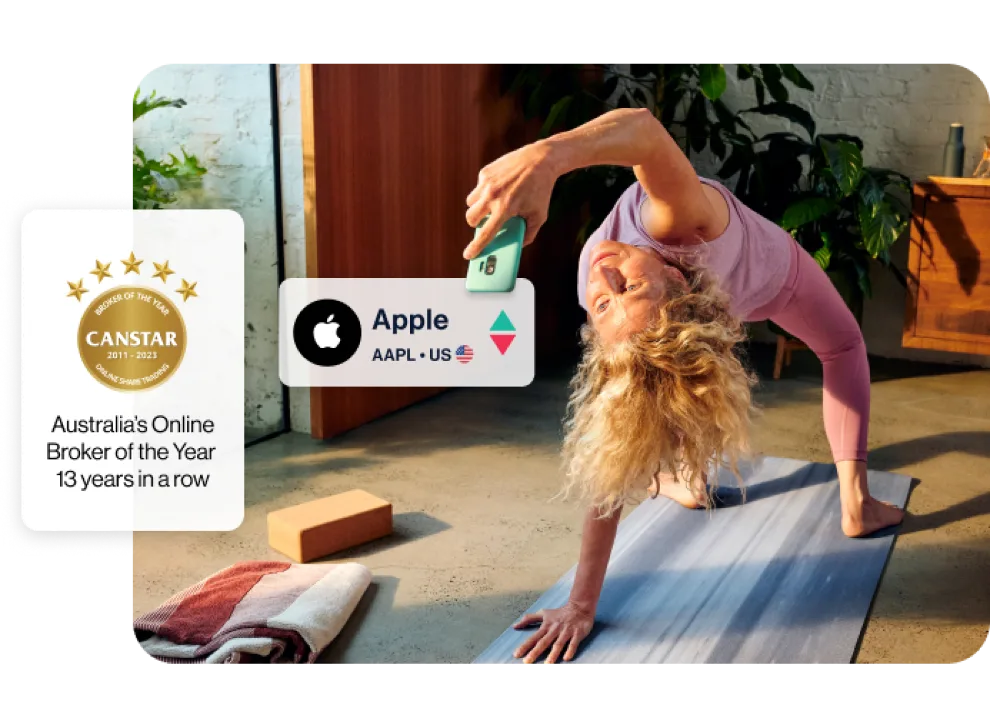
point(162, 271)
point(76, 289)
point(101, 271)
point(132, 265)
point(187, 289)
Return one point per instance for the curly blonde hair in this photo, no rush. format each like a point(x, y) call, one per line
point(673, 398)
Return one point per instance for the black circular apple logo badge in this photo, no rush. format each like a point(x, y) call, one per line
point(327, 332)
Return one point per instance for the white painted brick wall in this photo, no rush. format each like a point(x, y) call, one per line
point(227, 124)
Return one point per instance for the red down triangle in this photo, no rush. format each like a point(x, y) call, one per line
point(502, 341)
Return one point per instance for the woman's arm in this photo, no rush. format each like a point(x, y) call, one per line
point(678, 207)
point(597, 539)
point(564, 628)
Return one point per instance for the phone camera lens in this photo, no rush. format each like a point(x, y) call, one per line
point(490, 265)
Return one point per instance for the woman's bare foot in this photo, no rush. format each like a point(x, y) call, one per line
point(874, 515)
point(674, 488)
point(862, 514)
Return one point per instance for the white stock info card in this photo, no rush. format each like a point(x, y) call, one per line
point(404, 332)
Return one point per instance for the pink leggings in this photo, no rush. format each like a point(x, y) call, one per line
point(810, 308)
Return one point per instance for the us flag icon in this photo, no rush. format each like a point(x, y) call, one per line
point(464, 353)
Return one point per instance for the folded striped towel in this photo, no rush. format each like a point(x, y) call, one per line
point(255, 611)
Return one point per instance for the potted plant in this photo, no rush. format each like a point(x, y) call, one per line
point(156, 181)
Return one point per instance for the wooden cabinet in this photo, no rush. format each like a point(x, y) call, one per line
point(948, 303)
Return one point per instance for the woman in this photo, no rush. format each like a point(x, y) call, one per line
point(659, 394)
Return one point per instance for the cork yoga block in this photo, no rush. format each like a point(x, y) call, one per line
point(315, 529)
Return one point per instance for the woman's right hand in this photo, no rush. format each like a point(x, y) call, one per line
point(518, 183)
point(560, 629)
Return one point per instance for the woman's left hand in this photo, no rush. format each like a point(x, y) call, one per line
point(516, 184)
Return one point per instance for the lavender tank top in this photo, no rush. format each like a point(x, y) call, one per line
point(751, 259)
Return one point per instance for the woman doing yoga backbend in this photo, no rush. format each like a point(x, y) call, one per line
point(659, 395)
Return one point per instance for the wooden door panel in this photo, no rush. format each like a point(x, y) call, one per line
point(390, 153)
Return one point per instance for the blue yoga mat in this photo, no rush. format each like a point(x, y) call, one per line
point(771, 579)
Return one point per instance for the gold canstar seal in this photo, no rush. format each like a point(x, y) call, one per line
point(131, 337)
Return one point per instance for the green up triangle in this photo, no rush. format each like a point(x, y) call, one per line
point(502, 323)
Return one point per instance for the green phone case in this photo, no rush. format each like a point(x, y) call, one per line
point(495, 270)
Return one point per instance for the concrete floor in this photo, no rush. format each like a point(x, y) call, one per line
point(471, 474)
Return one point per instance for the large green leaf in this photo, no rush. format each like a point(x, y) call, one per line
point(772, 78)
point(880, 226)
point(792, 74)
point(823, 256)
point(786, 110)
point(871, 192)
point(712, 80)
point(845, 162)
point(807, 210)
point(824, 184)
point(557, 113)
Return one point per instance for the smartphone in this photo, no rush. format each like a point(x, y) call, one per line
point(495, 270)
